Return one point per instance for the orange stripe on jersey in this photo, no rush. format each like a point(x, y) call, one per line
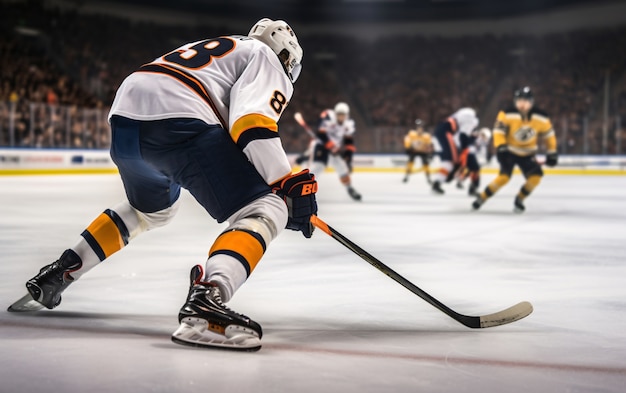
point(247, 247)
point(188, 80)
point(253, 120)
point(453, 123)
point(106, 233)
point(455, 155)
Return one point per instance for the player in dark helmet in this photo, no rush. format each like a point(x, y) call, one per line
point(515, 140)
point(418, 142)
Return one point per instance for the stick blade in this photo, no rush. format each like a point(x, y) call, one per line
point(25, 304)
point(511, 314)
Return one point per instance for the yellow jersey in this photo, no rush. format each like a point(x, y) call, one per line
point(520, 133)
point(418, 142)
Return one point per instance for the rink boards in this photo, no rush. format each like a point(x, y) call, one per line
point(62, 161)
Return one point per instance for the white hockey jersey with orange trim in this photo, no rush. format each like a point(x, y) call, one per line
point(233, 81)
point(333, 129)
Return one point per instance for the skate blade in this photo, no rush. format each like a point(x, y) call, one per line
point(194, 332)
point(25, 304)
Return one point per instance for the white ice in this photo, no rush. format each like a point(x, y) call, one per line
point(332, 323)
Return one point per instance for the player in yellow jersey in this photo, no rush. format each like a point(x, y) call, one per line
point(417, 142)
point(515, 140)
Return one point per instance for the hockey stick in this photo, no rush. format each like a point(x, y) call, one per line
point(300, 120)
point(508, 315)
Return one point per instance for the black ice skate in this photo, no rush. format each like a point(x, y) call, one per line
point(472, 191)
point(477, 203)
point(206, 322)
point(46, 287)
point(437, 188)
point(354, 194)
point(405, 179)
point(518, 205)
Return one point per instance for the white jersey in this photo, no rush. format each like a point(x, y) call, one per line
point(233, 81)
point(335, 131)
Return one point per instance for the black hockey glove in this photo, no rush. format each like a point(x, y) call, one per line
point(298, 192)
point(502, 153)
point(552, 159)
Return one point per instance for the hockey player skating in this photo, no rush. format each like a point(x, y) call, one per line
point(463, 122)
point(202, 117)
point(334, 135)
point(470, 166)
point(418, 142)
point(515, 139)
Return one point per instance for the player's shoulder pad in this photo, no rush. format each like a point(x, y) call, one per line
point(326, 114)
point(539, 114)
point(510, 113)
point(510, 110)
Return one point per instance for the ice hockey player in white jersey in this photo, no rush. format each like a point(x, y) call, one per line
point(202, 117)
point(335, 145)
point(463, 122)
point(470, 164)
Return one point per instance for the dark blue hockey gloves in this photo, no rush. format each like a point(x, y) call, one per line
point(298, 192)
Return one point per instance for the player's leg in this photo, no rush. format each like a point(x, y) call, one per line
point(225, 183)
point(533, 173)
point(343, 172)
point(473, 168)
point(425, 166)
point(150, 204)
point(304, 158)
point(448, 157)
point(319, 159)
point(409, 165)
point(506, 169)
point(461, 175)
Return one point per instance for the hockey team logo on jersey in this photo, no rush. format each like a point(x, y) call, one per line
point(525, 134)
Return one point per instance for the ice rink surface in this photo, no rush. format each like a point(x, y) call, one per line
point(332, 323)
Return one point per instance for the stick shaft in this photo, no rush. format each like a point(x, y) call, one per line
point(473, 322)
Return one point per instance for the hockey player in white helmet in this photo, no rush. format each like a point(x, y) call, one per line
point(201, 117)
point(463, 122)
point(334, 136)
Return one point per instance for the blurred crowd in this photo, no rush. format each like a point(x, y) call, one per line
point(59, 72)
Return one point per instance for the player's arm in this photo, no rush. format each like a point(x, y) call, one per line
point(549, 136)
point(430, 145)
point(349, 148)
point(500, 130)
point(407, 142)
point(257, 100)
point(322, 135)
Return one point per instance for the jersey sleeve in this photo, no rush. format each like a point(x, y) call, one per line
point(257, 100)
point(322, 133)
point(351, 129)
point(499, 130)
point(549, 135)
point(407, 141)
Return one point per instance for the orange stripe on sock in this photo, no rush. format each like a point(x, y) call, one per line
point(105, 232)
point(241, 243)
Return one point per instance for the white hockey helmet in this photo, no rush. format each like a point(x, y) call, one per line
point(342, 107)
point(280, 37)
